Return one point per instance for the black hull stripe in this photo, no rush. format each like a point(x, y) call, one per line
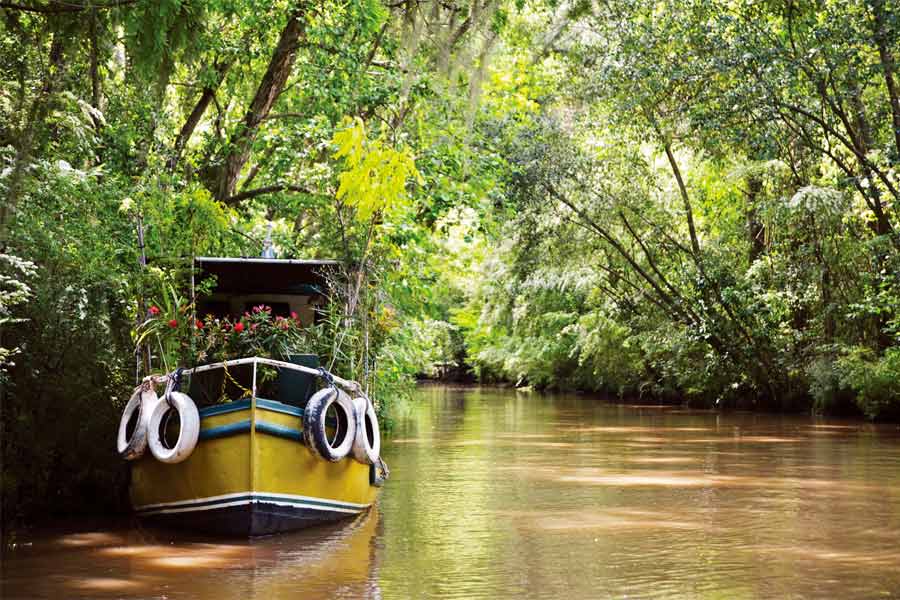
point(315, 503)
point(248, 519)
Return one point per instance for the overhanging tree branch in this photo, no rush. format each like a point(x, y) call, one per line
point(187, 130)
point(55, 7)
point(270, 87)
point(269, 189)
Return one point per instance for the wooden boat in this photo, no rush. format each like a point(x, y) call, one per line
point(256, 466)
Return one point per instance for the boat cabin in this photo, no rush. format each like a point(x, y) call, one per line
point(287, 285)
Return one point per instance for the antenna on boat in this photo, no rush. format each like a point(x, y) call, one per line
point(143, 353)
point(268, 250)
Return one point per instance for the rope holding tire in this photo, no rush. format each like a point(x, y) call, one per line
point(367, 442)
point(314, 430)
point(140, 406)
point(188, 433)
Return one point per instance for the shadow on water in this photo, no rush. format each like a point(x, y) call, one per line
point(496, 494)
point(127, 560)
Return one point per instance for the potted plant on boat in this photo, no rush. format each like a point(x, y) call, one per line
point(188, 342)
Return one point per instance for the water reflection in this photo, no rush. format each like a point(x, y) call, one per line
point(326, 562)
point(502, 495)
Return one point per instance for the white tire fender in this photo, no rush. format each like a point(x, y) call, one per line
point(142, 402)
point(188, 433)
point(367, 442)
point(314, 431)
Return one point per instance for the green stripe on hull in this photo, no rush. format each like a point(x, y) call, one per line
point(225, 430)
point(244, 427)
point(261, 403)
point(224, 409)
point(279, 431)
point(279, 407)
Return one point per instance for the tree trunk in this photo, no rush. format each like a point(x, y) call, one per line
point(271, 86)
point(187, 130)
point(95, 70)
point(882, 39)
point(756, 231)
point(865, 143)
point(686, 201)
point(478, 76)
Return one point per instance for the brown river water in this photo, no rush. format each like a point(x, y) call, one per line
point(498, 494)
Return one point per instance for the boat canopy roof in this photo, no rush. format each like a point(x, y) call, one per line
point(266, 275)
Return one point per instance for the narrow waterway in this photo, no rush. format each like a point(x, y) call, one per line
point(497, 494)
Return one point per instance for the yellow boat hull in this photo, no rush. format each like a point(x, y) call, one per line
point(250, 474)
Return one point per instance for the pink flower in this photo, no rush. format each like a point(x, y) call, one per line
point(154, 311)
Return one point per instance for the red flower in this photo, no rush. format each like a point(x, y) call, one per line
point(173, 323)
point(154, 311)
point(294, 315)
point(199, 324)
point(238, 327)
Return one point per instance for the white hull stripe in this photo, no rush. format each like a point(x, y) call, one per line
point(240, 498)
point(165, 511)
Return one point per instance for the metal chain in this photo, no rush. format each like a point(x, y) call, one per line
point(245, 393)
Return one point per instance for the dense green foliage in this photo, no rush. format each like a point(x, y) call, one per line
point(702, 202)
point(684, 199)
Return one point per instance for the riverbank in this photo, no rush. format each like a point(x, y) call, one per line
point(845, 409)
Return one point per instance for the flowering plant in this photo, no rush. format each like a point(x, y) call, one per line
point(165, 330)
point(256, 333)
point(182, 340)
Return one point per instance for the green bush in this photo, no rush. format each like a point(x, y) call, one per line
point(829, 394)
point(75, 360)
point(875, 379)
